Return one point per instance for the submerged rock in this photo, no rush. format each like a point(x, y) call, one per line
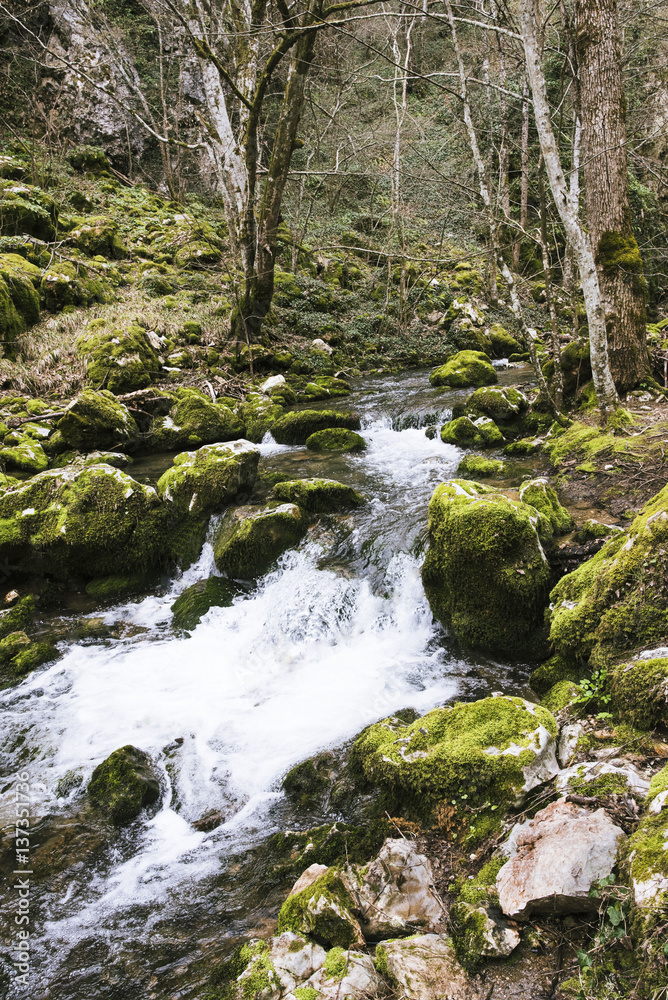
point(97, 420)
point(486, 755)
point(423, 968)
point(296, 427)
point(123, 784)
point(464, 369)
point(335, 439)
point(485, 574)
point(202, 482)
point(190, 607)
point(318, 495)
point(560, 854)
point(250, 539)
point(394, 894)
point(320, 905)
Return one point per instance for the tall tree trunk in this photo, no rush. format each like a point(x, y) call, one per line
point(606, 190)
point(606, 392)
point(524, 167)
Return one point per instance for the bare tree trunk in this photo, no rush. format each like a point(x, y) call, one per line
point(524, 190)
point(606, 392)
point(554, 323)
point(606, 189)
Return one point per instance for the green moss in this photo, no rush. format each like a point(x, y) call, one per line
point(322, 911)
point(333, 439)
point(66, 285)
point(202, 482)
point(525, 446)
point(501, 404)
point(14, 643)
point(618, 252)
point(604, 784)
point(552, 672)
point(475, 890)
point(97, 420)
point(249, 540)
point(334, 844)
point(33, 656)
point(336, 964)
point(295, 428)
point(248, 975)
point(464, 369)
point(560, 696)
point(617, 601)
point(462, 432)
point(123, 784)
point(477, 467)
point(639, 692)
point(592, 529)
point(259, 413)
point(115, 586)
point(17, 618)
point(555, 519)
point(318, 495)
point(306, 993)
point(89, 158)
point(445, 758)
point(194, 420)
point(122, 360)
point(469, 925)
point(503, 343)
point(485, 574)
point(97, 236)
point(25, 456)
point(190, 607)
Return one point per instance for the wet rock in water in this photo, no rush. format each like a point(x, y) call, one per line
point(464, 369)
point(335, 439)
point(123, 784)
point(467, 433)
point(344, 973)
point(423, 968)
point(296, 427)
point(295, 958)
point(485, 574)
point(639, 691)
point(97, 420)
point(116, 586)
point(481, 932)
point(194, 420)
point(202, 482)
point(122, 359)
point(478, 467)
point(554, 518)
point(190, 607)
point(559, 855)
point(502, 404)
point(320, 906)
point(648, 855)
point(80, 521)
point(486, 755)
point(258, 414)
point(618, 776)
point(326, 387)
point(617, 601)
point(395, 895)
point(318, 495)
point(250, 539)
point(19, 655)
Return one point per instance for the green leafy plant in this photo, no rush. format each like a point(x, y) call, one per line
point(593, 689)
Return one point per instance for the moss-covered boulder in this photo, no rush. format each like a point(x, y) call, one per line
point(503, 404)
point(194, 420)
point(18, 617)
point(335, 439)
point(485, 573)
point(25, 209)
point(19, 298)
point(258, 414)
point(484, 756)
point(250, 539)
point(322, 910)
point(97, 420)
point(555, 518)
point(82, 521)
point(617, 601)
point(123, 784)
point(503, 343)
point(318, 496)
point(467, 433)
point(89, 159)
point(202, 482)
point(68, 284)
point(190, 607)
point(26, 455)
point(639, 691)
point(105, 588)
point(97, 236)
point(464, 369)
point(249, 974)
point(295, 428)
point(648, 853)
point(19, 655)
point(122, 359)
point(478, 467)
point(326, 387)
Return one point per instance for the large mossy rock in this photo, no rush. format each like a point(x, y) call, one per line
point(648, 869)
point(194, 420)
point(485, 574)
point(467, 433)
point(318, 496)
point(259, 413)
point(555, 519)
point(28, 210)
point(24, 455)
point(485, 755)
point(19, 298)
point(335, 439)
point(617, 601)
point(202, 482)
point(97, 236)
point(322, 909)
point(121, 360)
point(463, 369)
point(250, 539)
point(68, 284)
point(97, 420)
point(503, 404)
point(123, 784)
point(190, 607)
point(295, 428)
point(639, 691)
point(90, 521)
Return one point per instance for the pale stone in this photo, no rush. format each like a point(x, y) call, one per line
point(360, 981)
point(307, 878)
point(425, 968)
point(272, 383)
point(637, 782)
point(568, 740)
point(396, 895)
point(319, 345)
point(560, 854)
point(295, 958)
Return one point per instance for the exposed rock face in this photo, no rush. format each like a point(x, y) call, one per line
point(321, 908)
point(486, 574)
point(649, 849)
point(497, 748)
point(250, 539)
point(348, 974)
point(396, 895)
point(600, 777)
point(560, 853)
point(482, 933)
point(423, 968)
point(295, 958)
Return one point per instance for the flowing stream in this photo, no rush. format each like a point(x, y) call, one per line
point(336, 637)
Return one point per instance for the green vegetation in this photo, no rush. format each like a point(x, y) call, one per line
point(123, 784)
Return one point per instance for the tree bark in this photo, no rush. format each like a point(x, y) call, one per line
point(606, 190)
point(604, 385)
